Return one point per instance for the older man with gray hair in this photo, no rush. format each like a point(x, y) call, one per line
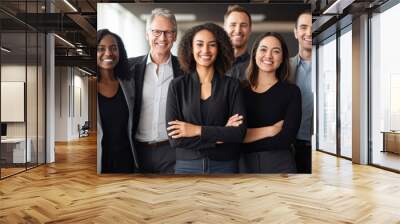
point(153, 73)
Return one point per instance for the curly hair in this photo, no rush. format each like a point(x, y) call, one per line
point(225, 54)
point(121, 70)
point(282, 72)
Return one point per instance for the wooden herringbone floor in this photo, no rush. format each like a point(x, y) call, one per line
point(70, 191)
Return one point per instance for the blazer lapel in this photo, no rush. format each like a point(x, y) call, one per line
point(176, 67)
point(139, 70)
point(214, 87)
point(196, 88)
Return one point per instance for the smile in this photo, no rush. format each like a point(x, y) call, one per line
point(108, 60)
point(267, 62)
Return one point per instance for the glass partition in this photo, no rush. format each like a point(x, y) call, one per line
point(326, 136)
point(22, 64)
point(14, 145)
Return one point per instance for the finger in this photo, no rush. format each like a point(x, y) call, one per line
point(235, 121)
point(175, 122)
point(232, 119)
point(233, 116)
point(236, 124)
point(239, 118)
point(173, 127)
point(177, 136)
point(172, 133)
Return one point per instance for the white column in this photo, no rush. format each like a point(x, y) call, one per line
point(50, 98)
point(360, 90)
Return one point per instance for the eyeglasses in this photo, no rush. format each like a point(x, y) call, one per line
point(167, 33)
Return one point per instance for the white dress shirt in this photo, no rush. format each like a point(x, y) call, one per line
point(152, 126)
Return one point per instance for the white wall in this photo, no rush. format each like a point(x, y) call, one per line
point(129, 27)
point(15, 72)
point(122, 22)
point(71, 93)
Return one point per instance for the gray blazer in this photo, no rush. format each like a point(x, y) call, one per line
point(128, 88)
point(293, 68)
point(293, 63)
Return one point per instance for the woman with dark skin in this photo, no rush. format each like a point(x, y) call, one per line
point(116, 153)
point(273, 107)
point(205, 112)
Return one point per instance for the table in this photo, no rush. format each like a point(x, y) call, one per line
point(391, 141)
point(13, 150)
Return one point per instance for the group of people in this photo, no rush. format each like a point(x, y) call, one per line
point(213, 108)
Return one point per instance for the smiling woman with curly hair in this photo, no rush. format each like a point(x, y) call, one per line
point(224, 59)
point(205, 112)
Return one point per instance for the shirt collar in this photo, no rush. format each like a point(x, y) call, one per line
point(242, 58)
point(300, 60)
point(150, 61)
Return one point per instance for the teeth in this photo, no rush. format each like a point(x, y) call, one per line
point(108, 60)
point(267, 62)
point(307, 39)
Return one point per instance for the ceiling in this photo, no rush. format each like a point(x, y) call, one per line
point(79, 27)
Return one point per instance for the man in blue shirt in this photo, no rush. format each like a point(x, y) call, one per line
point(300, 74)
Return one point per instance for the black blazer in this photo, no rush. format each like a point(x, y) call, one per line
point(138, 65)
point(183, 103)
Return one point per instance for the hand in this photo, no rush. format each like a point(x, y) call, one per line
point(234, 121)
point(180, 129)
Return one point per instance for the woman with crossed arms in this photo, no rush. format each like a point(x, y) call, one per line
point(273, 107)
point(205, 112)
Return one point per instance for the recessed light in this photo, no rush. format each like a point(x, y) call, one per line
point(5, 49)
point(70, 5)
point(64, 40)
point(257, 17)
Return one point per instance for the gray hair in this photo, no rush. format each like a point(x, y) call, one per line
point(164, 13)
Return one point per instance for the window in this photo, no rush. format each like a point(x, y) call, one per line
point(345, 42)
point(326, 137)
point(385, 88)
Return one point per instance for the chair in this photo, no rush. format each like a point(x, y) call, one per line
point(84, 130)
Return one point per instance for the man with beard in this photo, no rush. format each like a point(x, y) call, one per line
point(237, 23)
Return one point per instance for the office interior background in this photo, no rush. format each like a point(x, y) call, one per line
point(48, 83)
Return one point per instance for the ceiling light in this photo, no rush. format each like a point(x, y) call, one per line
point(5, 50)
point(257, 17)
point(84, 71)
point(64, 40)
point(337, 7)
point(185, 17)
point(180, 17)
point(70, 5)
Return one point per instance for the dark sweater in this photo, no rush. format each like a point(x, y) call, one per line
point(183, 103)
point(281, 102)
point(117, 155)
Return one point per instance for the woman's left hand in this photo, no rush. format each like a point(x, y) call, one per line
point(179, 129)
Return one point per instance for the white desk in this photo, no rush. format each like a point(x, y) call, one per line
point(16, 147)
